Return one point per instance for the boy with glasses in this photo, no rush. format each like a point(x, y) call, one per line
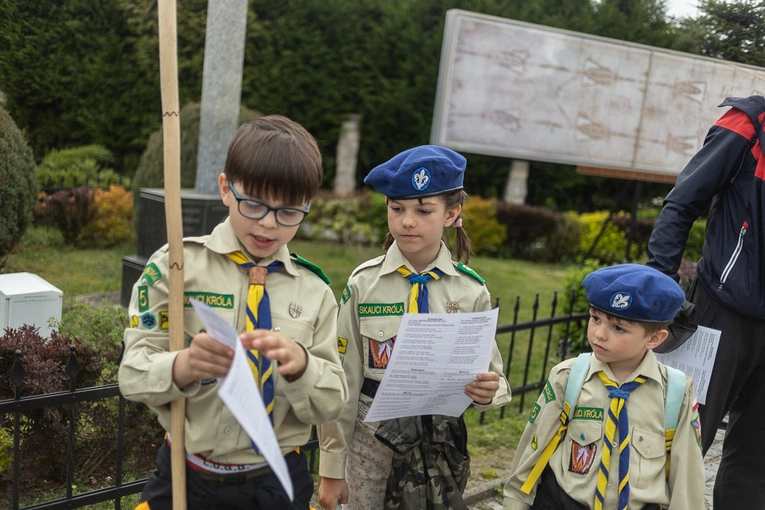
point(281, 303)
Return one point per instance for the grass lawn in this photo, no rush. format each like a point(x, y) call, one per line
point(73, 270)
point(86, 271)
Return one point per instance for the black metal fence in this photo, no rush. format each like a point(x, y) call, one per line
point(527, 351)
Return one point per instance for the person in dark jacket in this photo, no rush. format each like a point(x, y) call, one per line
point(726, 175)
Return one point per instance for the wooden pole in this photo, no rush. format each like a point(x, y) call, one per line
point(171, 132)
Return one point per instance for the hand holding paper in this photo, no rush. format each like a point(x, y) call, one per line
point(240, 394)
point(435, 358)
point(290, 356)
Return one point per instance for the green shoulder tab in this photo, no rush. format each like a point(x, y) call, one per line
point(151, 274)
point(462, 267)
point(313, 267)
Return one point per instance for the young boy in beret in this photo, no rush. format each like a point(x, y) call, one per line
point(281, 304)
point(612, 448)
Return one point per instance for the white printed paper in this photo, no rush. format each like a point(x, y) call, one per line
point(435, 356)
point(240, 394)
point(696, 357)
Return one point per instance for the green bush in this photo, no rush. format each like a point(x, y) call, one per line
point(576, 340)
point(79, 166)
point(643, 229)
point(610, 246)
point(337, 219)
point(563, 243)
point(6, 449)
point(695, 243)
point(373, 211)
point(99, 327)
point(480, 222)
point(18, 185)
point(151, 171)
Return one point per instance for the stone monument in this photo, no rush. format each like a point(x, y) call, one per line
point(516, 188)
point(347, 155)
point(221, 89)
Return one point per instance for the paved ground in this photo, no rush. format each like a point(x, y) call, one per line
point(491, 500)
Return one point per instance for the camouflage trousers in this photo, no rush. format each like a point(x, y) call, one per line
point(368, 466)
point(430, 465)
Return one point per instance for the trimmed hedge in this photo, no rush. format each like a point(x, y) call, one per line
point(18, 185)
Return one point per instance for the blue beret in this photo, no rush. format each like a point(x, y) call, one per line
point(423, 171)
point(634, 292)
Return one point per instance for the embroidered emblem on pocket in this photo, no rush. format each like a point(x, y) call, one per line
point(582, 457)
point(380, 352)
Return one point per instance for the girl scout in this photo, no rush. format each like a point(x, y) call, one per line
point(397, 463)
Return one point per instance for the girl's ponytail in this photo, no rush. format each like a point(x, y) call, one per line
point(462, 245)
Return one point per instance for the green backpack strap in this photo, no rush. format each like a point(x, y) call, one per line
point(673, 403)
point(573, 388)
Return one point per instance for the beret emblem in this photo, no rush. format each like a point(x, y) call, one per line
point(421, 178)
point(621, 300)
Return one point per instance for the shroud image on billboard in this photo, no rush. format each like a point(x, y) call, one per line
point(524, 91)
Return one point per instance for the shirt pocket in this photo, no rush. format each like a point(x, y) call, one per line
point(583, 445)
point(378, 336)
point(647, 458)
point(299, 331)
point(192, 324)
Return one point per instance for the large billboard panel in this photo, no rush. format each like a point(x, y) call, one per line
point(524, 91)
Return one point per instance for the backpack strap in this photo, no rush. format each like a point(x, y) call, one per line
point(673, 403)
point(576, 378)
point(573, 389)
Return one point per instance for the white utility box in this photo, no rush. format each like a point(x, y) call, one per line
point(25, 298)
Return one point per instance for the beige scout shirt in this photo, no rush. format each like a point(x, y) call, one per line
point(302, 305)
point(370, 314)
point(648, 483)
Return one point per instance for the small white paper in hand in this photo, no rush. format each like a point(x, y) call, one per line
point(240, 394)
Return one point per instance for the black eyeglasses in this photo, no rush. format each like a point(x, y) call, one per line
point(256, 210)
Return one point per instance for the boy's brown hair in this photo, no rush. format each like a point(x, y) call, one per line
point(275, 158)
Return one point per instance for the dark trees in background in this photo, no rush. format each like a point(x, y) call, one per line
point(79, 72)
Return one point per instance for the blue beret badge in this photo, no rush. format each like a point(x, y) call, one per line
point(621, 300)
point(421, 178)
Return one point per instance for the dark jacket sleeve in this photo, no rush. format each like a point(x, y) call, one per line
point(703, 177)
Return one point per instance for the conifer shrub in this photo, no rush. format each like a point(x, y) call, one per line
point(150, 172)
point(86, 165)
point(18, 185)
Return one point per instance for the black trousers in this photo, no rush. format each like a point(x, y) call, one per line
point(262, 493)
point(737, 386)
